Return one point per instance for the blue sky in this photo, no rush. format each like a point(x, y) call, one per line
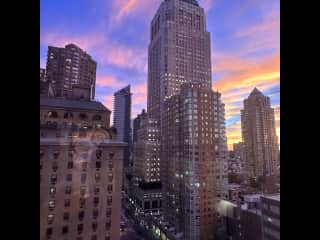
point(245, 37)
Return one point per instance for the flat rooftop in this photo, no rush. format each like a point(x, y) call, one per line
point(275, 197)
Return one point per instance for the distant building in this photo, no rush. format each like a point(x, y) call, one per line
point(122, 119)
point(42, 75)
point(80, 171)
point(71, 67)
point(221, 147)
point(241, 221)
point(259, 138)
point(271, 217)
point(136, 125)
point(147, 193)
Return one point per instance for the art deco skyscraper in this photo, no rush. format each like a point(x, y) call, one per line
point(180, 98)
point(179, 51)
point(261, 148)
point(122, 119)
point(68, 68)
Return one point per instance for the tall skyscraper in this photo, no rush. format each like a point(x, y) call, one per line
point(122, 119)
point(221, 147)
point(181, 100)
point(179, 51)
point(69, 68)
point(261, 147)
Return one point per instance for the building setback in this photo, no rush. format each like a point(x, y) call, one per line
point(69, 67)
point(179, 55)
point(261, 149)
point(122, 119)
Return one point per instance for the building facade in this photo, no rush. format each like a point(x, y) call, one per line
point(69, 67)
point(122, 120)
point(188, 162)
point(221, 147)
point(261, 149)
point(136, 125)
point(270, 217)
point(80, 171)
point(180, 99)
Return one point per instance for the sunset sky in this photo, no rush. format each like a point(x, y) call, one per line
point(245, 47)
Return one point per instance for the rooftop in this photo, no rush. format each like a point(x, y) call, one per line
point(193, 2)
point(69, 103)
point(275, 197)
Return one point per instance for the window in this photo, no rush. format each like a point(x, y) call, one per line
point(95, 213)
point(80, 228)
point(50, 219)
point(49, 232)
point(108, 225)
point(41, 154)
point(68, 190)
point(96, 190)
point(52, 114)
point(94, 237)
point(98, 165)
point(99, 153)
point(69, 177)
point(65, 230)
point(54, 179)
point(56, 155)
point(108, 212)
point(51, 204)
point(109, 188)
point(94, 226)
point(97, 177)
point(97, 118)
point(66, 216)
point(83, 116)
point(54, 166)
point(84, 166)
point(41, 165)
point(82, 202)
point(52, 191)
point(83, 178)
point(67, 202)
point(110, 177)
point(70, 165)
point(83, 190)
point(81, 215)
point(109, 200)
point(96, 201)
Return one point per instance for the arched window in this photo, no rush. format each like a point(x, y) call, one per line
point(52, 114)
point(68, 115)
point(83, 116)
point(97, 117)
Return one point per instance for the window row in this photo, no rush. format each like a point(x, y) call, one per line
point(82, 116)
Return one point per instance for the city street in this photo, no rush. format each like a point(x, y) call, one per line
point(129, 233)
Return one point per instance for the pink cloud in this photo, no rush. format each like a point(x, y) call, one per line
point(109, 81)
point(206, 4)
point(124, 8)
point(60, 39)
